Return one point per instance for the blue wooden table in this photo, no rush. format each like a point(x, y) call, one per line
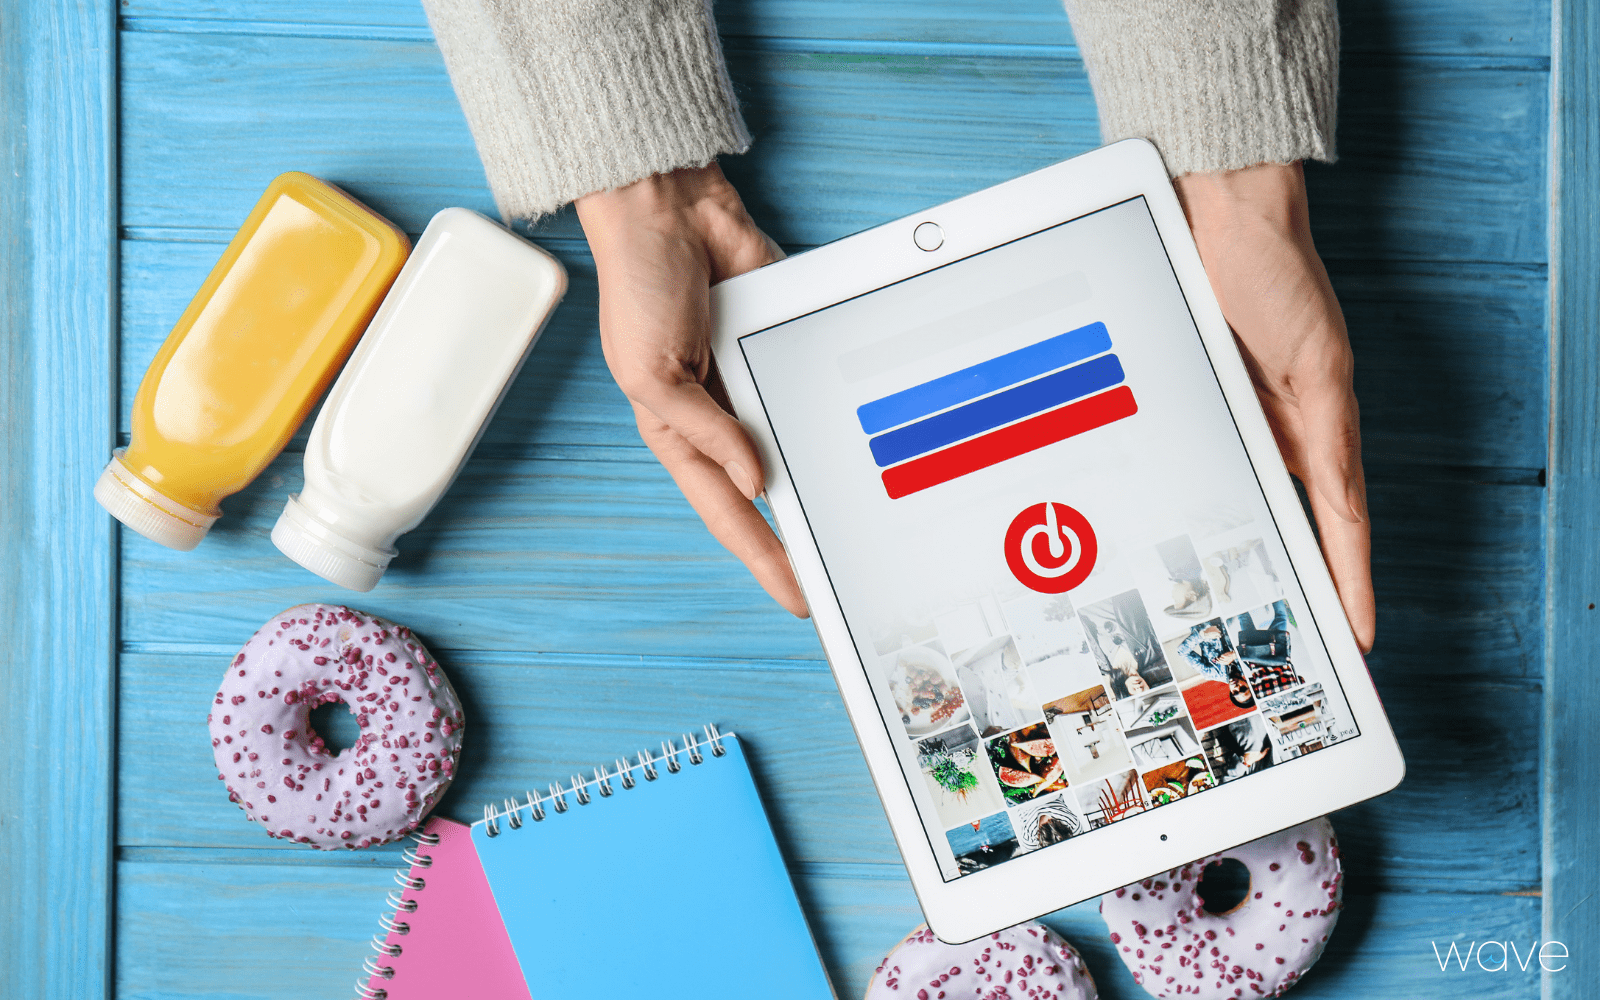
point(572, 594)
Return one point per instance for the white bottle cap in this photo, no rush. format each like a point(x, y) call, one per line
point(314, 544)
point(147, 510)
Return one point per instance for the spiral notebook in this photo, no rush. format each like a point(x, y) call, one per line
point(656, 877)
point(442, 935)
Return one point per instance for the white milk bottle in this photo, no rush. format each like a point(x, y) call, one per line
point(418, 391)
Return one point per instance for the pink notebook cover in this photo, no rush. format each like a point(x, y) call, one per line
point(456, 945)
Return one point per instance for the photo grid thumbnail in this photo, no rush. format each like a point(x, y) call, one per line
point(1026, 764)
point(984, 842)
point(1035, 720)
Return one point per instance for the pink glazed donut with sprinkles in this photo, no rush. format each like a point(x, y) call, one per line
point(1025, 962)
point(280, 772)
point(1176, 948)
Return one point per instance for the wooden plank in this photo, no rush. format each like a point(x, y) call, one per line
point(1402, 841)
point(379, 114)
point(57, 269)
point(607, 557)
point(1450, 362)
point(321, 918)
point(1572, 651)
point(533, 721)
point(1441, 161)
point(1459, 572)
point(1433, 26)
point(238, 931)
point(536, 719)
point(1445, 27)
point(1478, 400)
point(1412, 140)
point(544, 555)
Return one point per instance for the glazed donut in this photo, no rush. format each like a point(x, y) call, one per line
point(278, 769)
point(1176, 948)
point(1026, 961)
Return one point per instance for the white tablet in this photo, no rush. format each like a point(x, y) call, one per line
point(1079, 620)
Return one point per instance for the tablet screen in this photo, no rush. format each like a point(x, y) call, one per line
point(1047, 539)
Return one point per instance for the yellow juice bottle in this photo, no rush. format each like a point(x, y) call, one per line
point(264, 336)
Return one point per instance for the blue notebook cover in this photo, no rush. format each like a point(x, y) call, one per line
point(667, 886)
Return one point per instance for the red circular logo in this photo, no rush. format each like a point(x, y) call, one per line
point(1050, 548)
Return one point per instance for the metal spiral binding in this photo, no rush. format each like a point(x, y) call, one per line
point(391, 923)
point(583, 790)
point(401, 904)
point(407, 882)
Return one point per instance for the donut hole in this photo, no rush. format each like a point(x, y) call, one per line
point(336, 724)
point(1224, 886)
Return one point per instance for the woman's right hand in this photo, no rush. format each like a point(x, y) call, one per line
point(659, 245)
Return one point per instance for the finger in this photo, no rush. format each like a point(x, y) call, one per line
point(689, 410)
point(1328, 472)
point(665, 372)
point(1283, 416)
point(1347, 549)
point(732, 519)
point(1330, 421)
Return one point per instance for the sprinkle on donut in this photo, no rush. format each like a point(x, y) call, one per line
point(280, 772)
point(1176, 948)
point(1025, 962)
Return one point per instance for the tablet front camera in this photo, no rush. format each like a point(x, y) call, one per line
point(928, 236)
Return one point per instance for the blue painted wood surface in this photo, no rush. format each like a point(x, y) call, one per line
point(1438, 27)
point(164, 901)
point(845, 140)
point(1484, 403)
point(57, 278)
point(577, 602)
point(1572, 693)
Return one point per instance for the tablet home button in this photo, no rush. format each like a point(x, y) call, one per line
point(928, 236)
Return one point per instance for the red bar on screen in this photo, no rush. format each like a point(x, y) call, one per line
point(1009, 442)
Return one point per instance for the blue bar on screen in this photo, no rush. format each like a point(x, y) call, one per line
point(994, 411)
point(982, 378)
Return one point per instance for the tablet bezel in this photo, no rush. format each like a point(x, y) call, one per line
point(1158, 839)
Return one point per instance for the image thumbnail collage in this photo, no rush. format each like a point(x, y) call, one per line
point(1034, 720)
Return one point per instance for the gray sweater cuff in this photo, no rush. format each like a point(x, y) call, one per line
point(567, 97)
point(1215, 85)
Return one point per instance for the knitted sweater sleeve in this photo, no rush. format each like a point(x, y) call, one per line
point(566, 97)
point(1215, 84)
